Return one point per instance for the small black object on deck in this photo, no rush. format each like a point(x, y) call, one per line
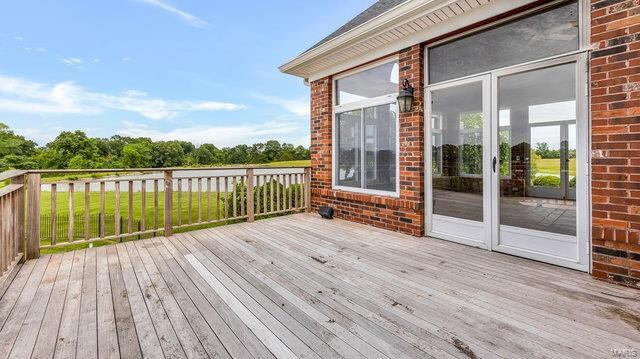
point(326, 212)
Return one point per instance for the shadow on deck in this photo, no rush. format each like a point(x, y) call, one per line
point(299, 286)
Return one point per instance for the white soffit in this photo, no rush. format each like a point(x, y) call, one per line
point(410, 23)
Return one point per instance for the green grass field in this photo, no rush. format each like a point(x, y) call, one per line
point(551, 166)
point(62, 210)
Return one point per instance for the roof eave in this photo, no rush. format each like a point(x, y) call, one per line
point(373, 26)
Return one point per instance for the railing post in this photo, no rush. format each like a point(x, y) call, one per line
point(33, 216)
point(168, 203)
point(307, 188)
point(19, 215)
point(250, 209)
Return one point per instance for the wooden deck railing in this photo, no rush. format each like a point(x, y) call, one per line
point(140, 203)
point(12, 225)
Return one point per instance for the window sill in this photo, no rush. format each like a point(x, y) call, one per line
point(369, 192)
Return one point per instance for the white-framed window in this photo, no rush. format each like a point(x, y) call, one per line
point(365, 131)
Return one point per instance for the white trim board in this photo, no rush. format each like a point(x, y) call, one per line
point(403, 26)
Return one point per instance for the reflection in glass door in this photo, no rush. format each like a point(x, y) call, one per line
point(459, 133)
point(536, 203)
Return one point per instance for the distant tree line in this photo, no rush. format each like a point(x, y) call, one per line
point(75, 150)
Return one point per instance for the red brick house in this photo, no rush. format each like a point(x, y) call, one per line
point(523, 134)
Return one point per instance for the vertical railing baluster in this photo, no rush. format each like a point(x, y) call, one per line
point(130, 209)
point(235, 208)
point(87, 210)
point(71, 212)
point(217, 198)
point(271, 209)
point(102, 209)
point(242, 212)
point(143, 205)
point(290, 192)
point(4, 214)
point(209, 199)
point(179, 202)
point(284, 192)
point(117, 222)
point(54, 213)
point(155, 205)
point(250, 208)
point(199, 200)
point(226, 197)
point(258, 188)
point(190, 199)
point(307, 188)
point(296, 188)
point(278, 177)
point(264, 194)
point(20, 214)
point(168, 203)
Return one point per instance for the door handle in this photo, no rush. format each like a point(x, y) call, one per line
point(495, 162)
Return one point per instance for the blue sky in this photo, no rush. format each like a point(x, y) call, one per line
point(202, 71)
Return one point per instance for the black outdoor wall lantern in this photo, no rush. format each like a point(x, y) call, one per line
point(405, 97)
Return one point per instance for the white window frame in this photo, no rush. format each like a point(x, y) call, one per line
point(390, 99)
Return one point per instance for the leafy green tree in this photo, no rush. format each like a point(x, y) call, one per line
point(70, 144)
point(271, 150)
point(217, 154)
point(137, 155)
point(202, 156)
point(81, 162)
point(167, 154)
point(15, 150)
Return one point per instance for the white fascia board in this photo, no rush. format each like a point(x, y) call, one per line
point(496, 7)
point(386, 20)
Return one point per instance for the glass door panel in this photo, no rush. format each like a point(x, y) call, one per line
point(459, 127)
point(537, 216)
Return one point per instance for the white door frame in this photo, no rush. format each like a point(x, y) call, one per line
point(445, 227)
point(490, 230)
point(581, 259)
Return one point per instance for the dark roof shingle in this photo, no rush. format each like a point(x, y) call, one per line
point(374, 10)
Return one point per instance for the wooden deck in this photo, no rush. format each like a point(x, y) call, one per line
point(299, 286)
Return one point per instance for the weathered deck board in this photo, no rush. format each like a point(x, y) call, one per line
point(298, 286)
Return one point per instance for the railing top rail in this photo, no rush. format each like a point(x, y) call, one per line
point(113, 170)
point(11, 174)
point(10, 188)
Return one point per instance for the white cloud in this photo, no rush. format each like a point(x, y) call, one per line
point(23, 96)
point(184, 16)
point(18, 38)
point(225, 136)
point(125, 60)
point(40, 49)
point(298, 107)
point(72, 61)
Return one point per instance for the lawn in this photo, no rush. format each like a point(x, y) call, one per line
point(62, 210)
point(551, 166)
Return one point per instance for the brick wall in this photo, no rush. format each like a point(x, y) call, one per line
point(615, 111)
point(403, 214)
